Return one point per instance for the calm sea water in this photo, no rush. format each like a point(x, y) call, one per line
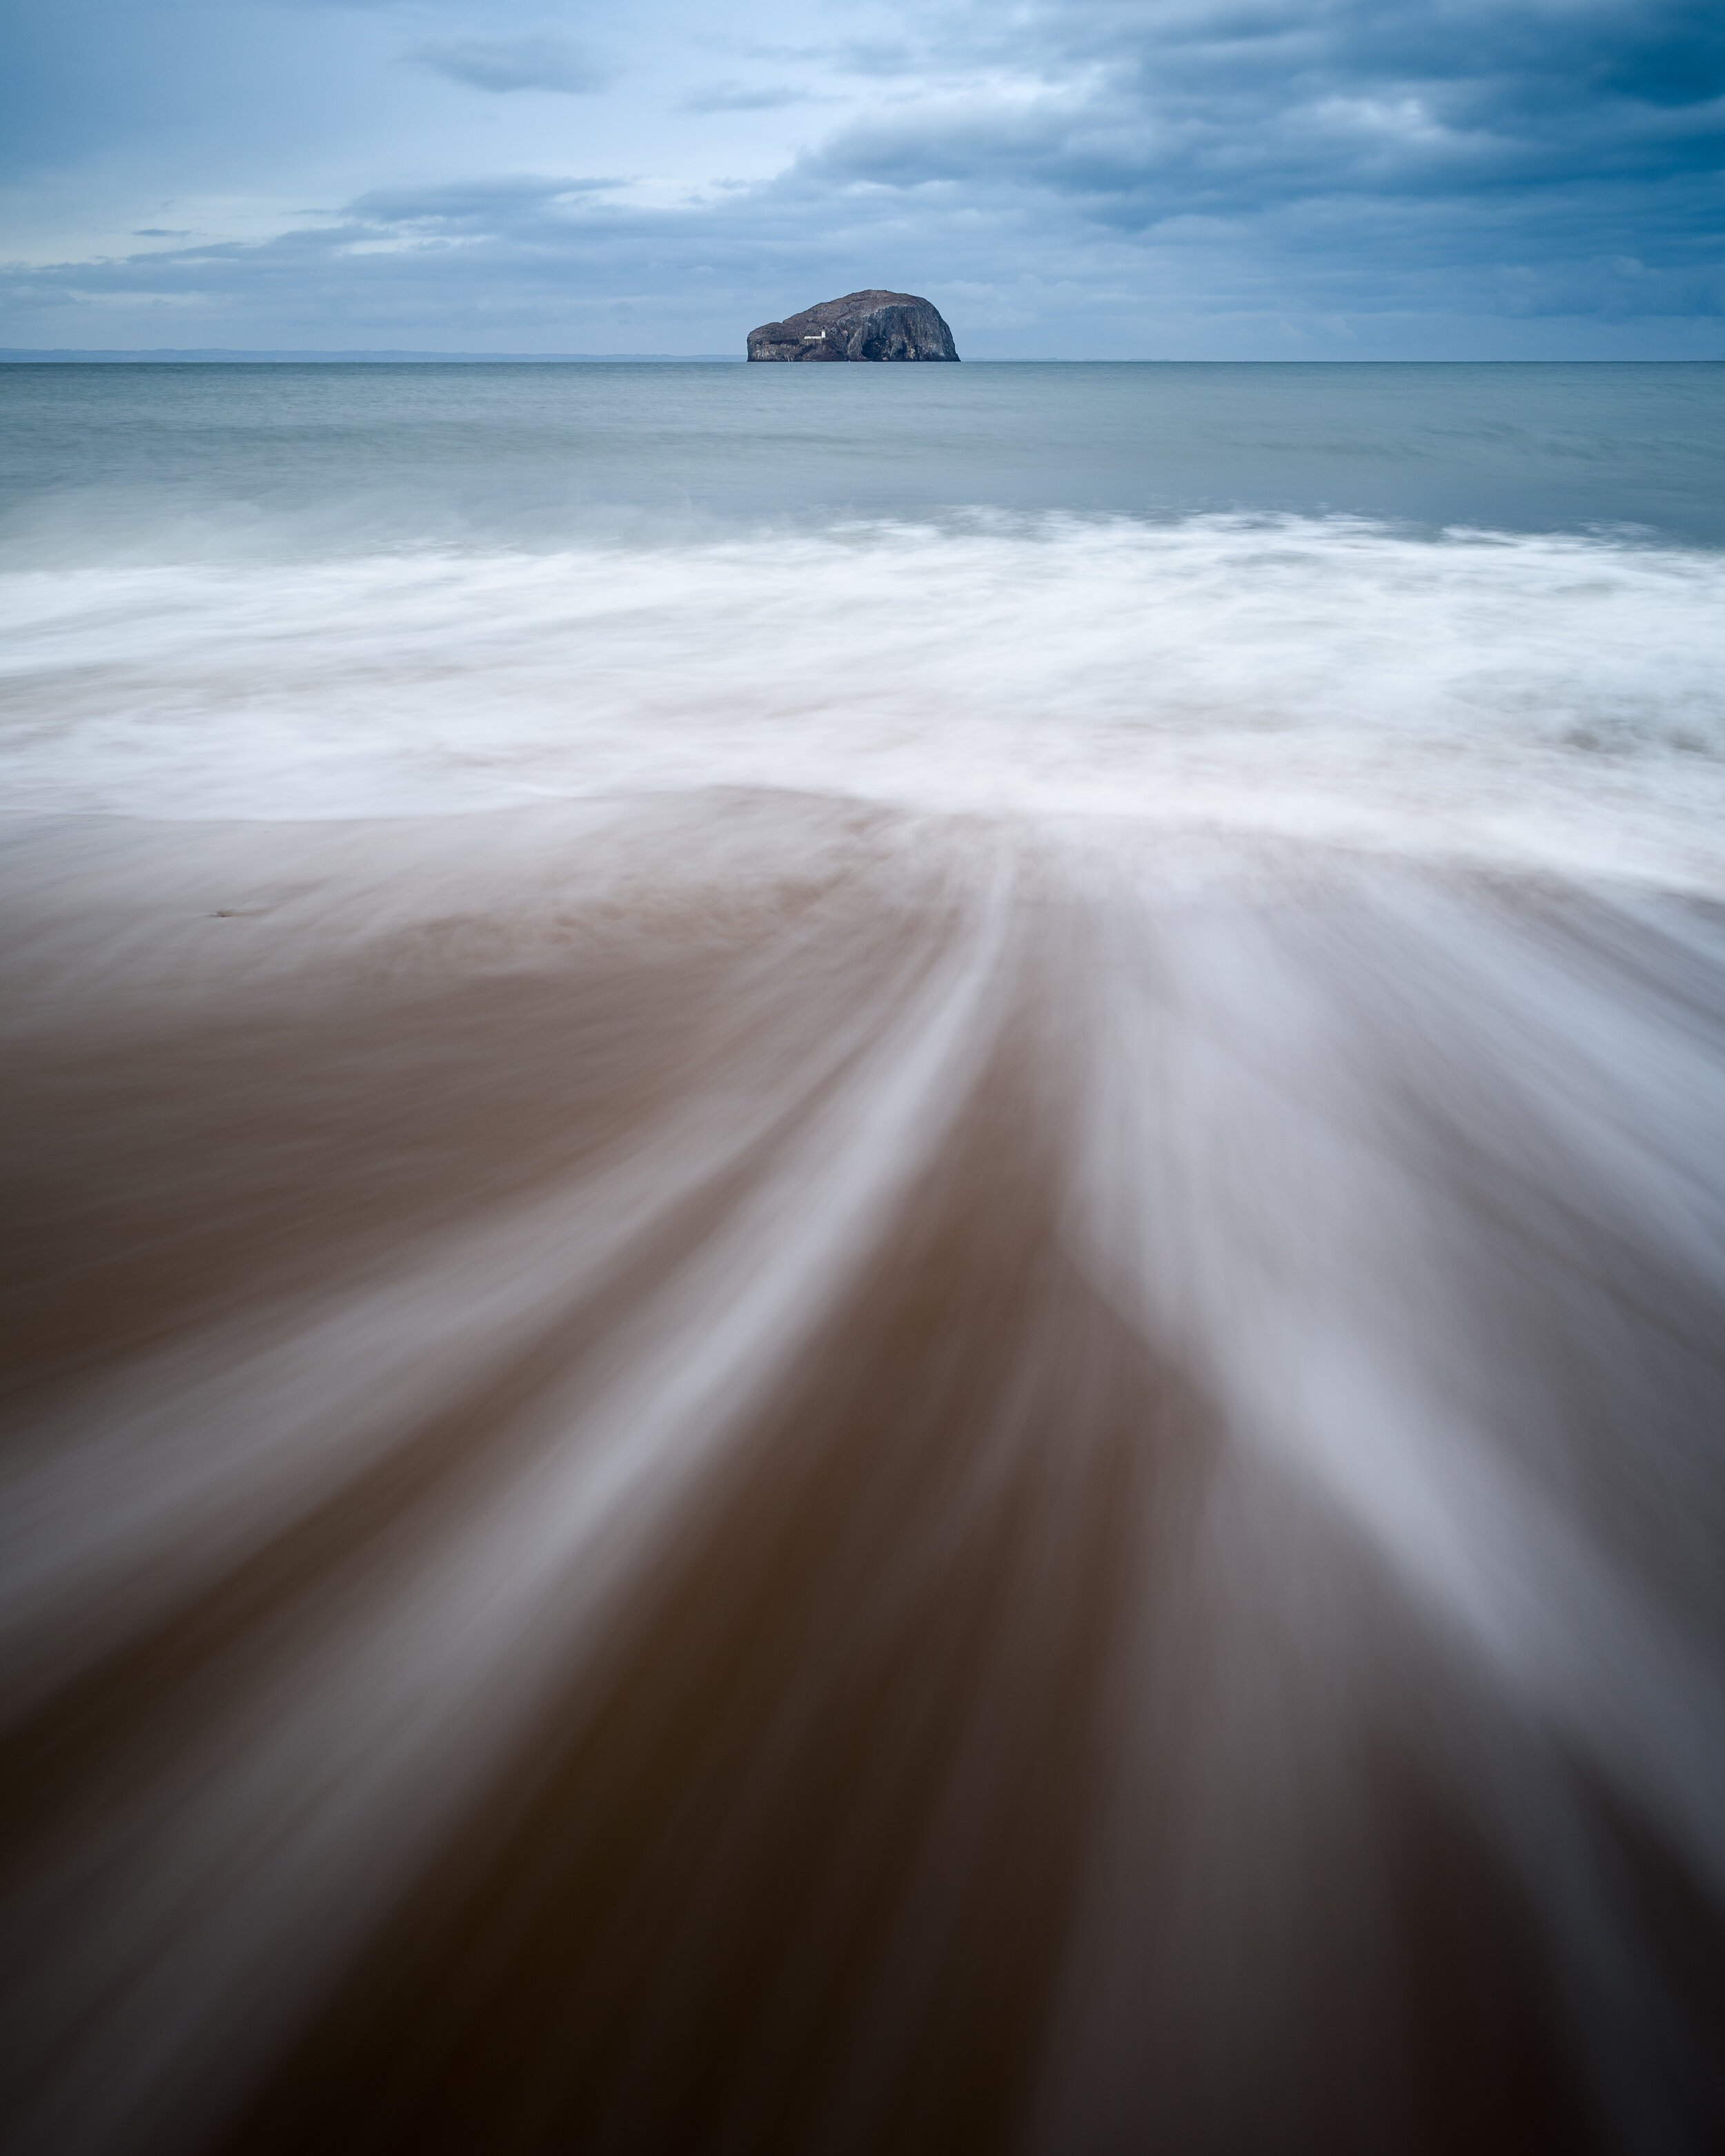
point(1475, 608)
point(412, 454)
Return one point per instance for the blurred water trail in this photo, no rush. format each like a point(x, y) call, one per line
point(749, 1472)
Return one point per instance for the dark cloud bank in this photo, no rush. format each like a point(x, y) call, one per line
point(1097, 179)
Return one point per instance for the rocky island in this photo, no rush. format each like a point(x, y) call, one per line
point(862, 326)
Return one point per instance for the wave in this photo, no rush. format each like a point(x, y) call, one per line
point(745, 1471)
point(1536, 702)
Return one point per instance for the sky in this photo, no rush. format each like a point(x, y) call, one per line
point(1085, 179)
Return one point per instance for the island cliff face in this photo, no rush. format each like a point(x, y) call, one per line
point(862, 326)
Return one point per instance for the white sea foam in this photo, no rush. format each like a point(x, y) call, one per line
point(1546, 701)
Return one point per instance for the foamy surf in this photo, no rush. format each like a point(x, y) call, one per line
point(1545, 701)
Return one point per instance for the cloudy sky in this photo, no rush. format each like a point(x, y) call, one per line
point(1079, 179)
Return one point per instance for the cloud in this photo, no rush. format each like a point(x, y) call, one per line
point(158, 232)
point(1240, 110)
point(886, 57)
point(520, 203)
point(739, 97)
point(542, 60)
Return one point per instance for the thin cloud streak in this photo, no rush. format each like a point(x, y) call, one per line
point(544, 61)
point(739, 97)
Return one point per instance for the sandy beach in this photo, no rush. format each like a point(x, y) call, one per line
point(742, 1470)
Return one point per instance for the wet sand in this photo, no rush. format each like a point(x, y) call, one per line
point(742, 1473)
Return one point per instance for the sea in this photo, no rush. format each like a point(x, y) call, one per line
point(1470, 609)
point(868, 1287)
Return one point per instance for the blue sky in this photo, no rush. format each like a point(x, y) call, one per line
point(1089, 179)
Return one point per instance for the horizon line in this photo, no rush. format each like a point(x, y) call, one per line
point(235, 354)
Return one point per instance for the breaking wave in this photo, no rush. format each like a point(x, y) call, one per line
point(1548, 701)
